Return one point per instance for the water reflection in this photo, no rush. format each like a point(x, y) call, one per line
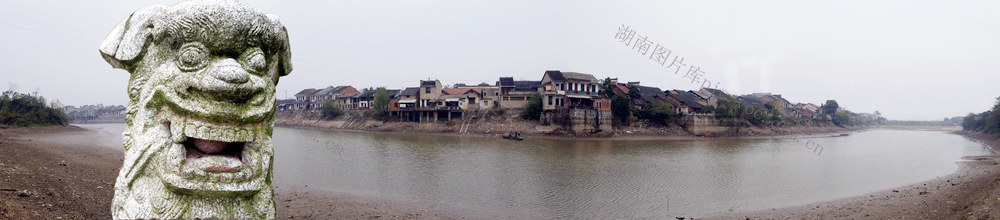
point(611, 179)
point(607, 179)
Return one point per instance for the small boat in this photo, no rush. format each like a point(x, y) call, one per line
point(513, 136)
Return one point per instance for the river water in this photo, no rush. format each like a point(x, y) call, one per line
point(566, 178)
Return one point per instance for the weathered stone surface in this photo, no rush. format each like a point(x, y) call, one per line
point(201, 110)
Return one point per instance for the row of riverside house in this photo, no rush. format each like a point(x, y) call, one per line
point(574, 101)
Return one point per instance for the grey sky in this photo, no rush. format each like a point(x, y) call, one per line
point(911, 60)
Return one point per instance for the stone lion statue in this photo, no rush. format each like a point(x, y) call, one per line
point(201, 110)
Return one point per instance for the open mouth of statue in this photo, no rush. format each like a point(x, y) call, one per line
point(214, 156)
point(208, 156)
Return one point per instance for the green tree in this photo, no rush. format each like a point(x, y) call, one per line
point(380, 104)
point(970, 122)
point(729, 108)
point(20, 109)
point(533, 109)
point(776, 117)
point(993, 118)
point(842, 119)
point(756, 116)
point(657, 113)
point(633, 92)
point(620, 108)
point(608, 88)
point(708, 109)
point(830, 107)
point(330, 110)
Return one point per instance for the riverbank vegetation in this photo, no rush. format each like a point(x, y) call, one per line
point(985, 122)
point(533, 109)
point(380, 104)
point(330, 110)
point(21, 109)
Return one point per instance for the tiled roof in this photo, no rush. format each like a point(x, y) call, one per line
point(622, 88)
point(650, 93)
point(688, 98)
point(506, 81)
point(428, 82)
point(555, 75)
point(306, 92)
point(392, 92)
point(580, 76)
point(410, 91)
point(324, 91)
point(459, 91)
point(526, 85)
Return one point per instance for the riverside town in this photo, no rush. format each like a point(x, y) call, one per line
point(392, 109)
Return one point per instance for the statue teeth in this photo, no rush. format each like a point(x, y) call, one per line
point(177, 131)
point(212, 131)
point(190, 130)
point(205, 132)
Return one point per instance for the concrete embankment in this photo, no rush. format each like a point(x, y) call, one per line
point(487, 123)
point(473, 124)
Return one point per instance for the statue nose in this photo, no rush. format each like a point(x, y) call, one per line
point(226, 80)
point(229, 71)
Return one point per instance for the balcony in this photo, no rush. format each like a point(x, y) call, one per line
point(580, 92)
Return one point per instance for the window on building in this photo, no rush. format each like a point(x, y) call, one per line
point(550, 100)
point(427, 89)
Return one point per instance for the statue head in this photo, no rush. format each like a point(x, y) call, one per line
point(201, 109)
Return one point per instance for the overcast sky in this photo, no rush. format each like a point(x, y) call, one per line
point(910, 60)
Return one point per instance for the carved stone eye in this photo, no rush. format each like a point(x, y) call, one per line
point(253, 60)
point(192, 56)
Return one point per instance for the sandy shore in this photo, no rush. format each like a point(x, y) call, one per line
point(73, 178)
point(973, 192)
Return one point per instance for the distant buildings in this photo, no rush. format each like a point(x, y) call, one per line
point(304, 100)
point(515, 94)
point(94, 112)
point(573, 100)
point(685, 102)
point(647, 96)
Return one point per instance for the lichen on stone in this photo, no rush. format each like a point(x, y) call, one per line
point(201, 110)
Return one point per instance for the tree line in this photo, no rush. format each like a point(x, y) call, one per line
point(22, 109)
point(379, 108)
point(986, 122)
